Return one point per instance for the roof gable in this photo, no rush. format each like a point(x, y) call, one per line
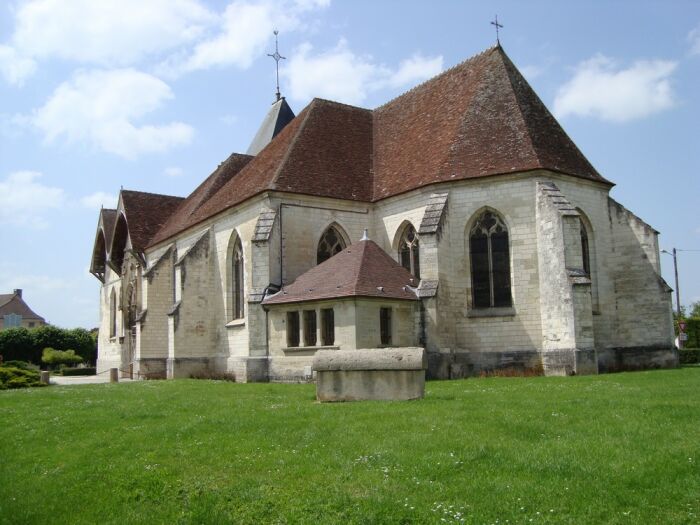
point(362, 269)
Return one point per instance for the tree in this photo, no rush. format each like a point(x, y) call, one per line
point(695, 310)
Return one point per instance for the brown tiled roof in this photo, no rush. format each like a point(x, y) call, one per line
point(363, 269)
point(107, 218)
point(14, 304)
point(477, 119)
point(186, 213)
point(324, 151)
point(146, 213)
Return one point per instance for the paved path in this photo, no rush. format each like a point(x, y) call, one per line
point(84, 380)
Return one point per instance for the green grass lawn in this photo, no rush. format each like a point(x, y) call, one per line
point(617, 448)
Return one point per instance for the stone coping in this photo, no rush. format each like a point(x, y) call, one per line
point(406, 358)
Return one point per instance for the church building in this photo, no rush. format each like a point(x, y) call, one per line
point(458, 217)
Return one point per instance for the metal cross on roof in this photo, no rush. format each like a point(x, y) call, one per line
point(276, 55)
point(495, 23)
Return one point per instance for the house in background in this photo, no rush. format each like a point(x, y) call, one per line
point(14, 312)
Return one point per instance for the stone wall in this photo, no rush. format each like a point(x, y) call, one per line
point(553, 308)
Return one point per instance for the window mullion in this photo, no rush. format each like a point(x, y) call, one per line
point(490, 257)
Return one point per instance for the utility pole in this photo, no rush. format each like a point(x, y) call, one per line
point(678, 294)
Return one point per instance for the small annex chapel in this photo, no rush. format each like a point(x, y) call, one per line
point(458, 217)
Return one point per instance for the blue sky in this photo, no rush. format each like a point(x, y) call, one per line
point(151, 96)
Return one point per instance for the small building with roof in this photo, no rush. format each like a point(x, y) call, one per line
point(16, 313)
point(494, 244)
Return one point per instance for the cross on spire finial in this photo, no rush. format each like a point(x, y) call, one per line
point(277, 57)
point(495, 23)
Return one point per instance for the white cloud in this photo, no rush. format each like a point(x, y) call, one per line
point(601, 89)
point(14, 67)
point(180, 35)
point(100, 107)
point(243, 34)
point(24, 201)
point(99, 199)
point(173, 171)
point(106, 32)
point(694, 39)
point(414, 70)
point(340, 74)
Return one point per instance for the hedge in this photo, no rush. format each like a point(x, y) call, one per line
point(688, 356)
point(85, 371)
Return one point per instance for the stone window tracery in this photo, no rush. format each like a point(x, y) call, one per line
point(112, 314)
point(585, 250)
point(330, 244)
point(490, 262)
point(409, 252)
point(385, 326)
point(237, 285)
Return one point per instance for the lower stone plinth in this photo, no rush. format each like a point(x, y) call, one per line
point(637, 358)
point(181, 367)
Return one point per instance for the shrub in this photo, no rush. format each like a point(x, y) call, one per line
point(84, 371)
point(688, 356)
point(55, 358)
point(22, 365)
point(11, 377)
point(27, 345)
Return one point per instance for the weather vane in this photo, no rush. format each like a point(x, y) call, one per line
point(495, 23)
point(276, 55)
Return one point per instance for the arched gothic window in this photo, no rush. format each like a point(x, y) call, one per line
point(237, 286)
point(490, 262)
point(409, 255)
point(112, 314)
point(331, 243)
point(585, 250)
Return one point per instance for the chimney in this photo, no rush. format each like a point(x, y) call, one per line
point(18, 292)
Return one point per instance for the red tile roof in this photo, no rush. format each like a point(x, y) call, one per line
point(187, 211)
point(107, 219)
point(363, 269)
point(477, 119)
point(14, 304)
point(146, 213)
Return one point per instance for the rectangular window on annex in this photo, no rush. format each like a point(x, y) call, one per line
point(385, 325)
point(292, 329)
point(309, 327)
point(327, 327)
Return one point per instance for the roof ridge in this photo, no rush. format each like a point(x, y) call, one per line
point(503, 56)
point(363, 256)
point(293, 142)
point(441, 74)
point(336, 103)
point(151, 193)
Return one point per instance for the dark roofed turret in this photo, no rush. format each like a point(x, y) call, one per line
point(277, 118)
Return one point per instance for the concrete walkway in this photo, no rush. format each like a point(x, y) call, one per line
point(84, 380)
